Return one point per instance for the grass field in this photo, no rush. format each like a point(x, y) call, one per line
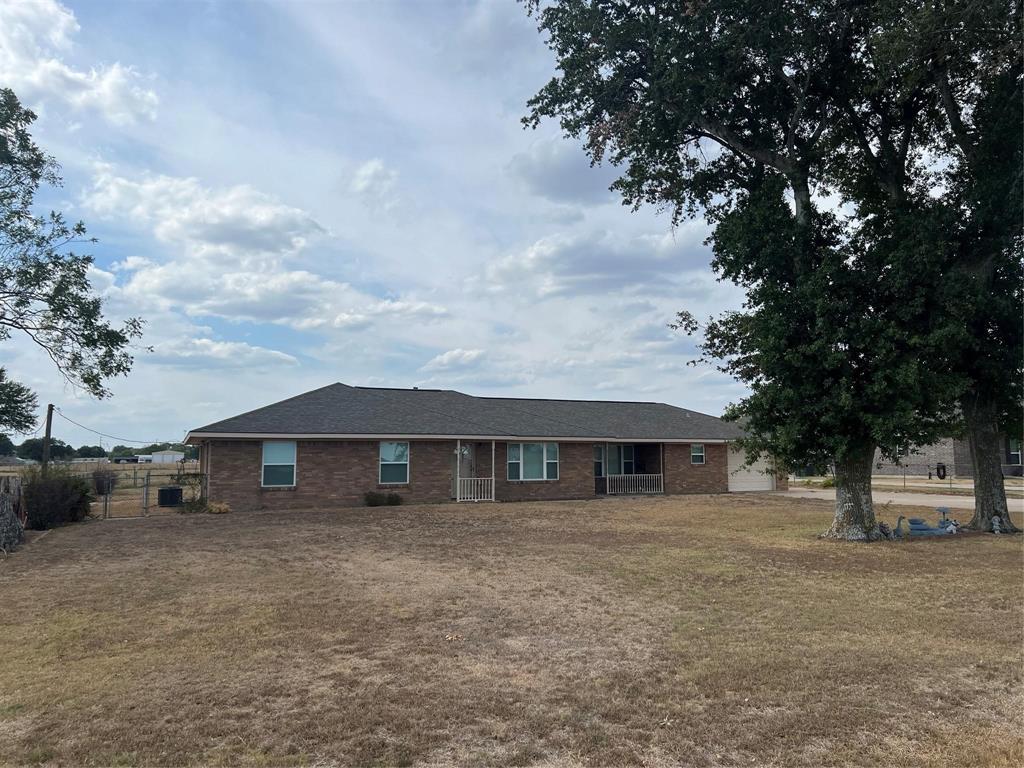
point(706, 630)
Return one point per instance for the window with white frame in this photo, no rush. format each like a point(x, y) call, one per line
point(278, 464)
point(532, 461)
point(697, 453)
point(394, 463)
point(1014, 452)
point(599, 461)
point(621, 459)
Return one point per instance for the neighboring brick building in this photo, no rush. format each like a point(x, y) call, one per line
point(953, 453)
point(332, 446)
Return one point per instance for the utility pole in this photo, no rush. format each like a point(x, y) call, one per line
point(46, 437)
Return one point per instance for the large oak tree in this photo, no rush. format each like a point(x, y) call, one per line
point(727, 107)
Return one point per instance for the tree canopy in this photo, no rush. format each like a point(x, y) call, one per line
point(808, 134)
point(45, 291)
point(33, 449)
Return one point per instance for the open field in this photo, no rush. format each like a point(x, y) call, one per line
point(705, 630)
point(134, 472)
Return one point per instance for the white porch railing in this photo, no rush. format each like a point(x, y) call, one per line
point(476, 489)
point(635, 484)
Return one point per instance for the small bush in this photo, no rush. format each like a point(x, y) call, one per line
point(828, 482)
point(379, 499)
point(104, 481)
point(218, 508)
point(55, 499)
point(192, 492)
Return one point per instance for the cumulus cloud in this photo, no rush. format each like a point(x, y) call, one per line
point(182, 209)
point(375, 184)
point(33, 38)
point(234, 252)
point(558, 170)
point(596, 262)
point(208, 353)
point(454, 359)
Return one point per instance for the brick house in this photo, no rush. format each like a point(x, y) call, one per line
point(331, 446)
point(953, 453)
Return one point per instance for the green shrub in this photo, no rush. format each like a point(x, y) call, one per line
point(55, 499)
point(379, 499)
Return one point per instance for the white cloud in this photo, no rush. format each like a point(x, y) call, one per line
point(597, 262)
point(408, 309)
point(234, 256)
point(375, 183)
point(454, 359)
point(183, 210)
point(33, 38)
point(208, 353)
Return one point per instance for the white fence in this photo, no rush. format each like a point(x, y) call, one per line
point(635, 484)
point(476, 489)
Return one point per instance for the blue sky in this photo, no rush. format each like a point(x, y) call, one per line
point(295, 194)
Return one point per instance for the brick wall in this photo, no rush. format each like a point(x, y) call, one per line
point(338, 473)
point(328, 473)
point(683, 477)
point(922, 459)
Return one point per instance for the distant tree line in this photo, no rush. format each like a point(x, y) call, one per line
point(32, 449)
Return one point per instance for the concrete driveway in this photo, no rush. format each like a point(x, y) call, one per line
point(903, 499)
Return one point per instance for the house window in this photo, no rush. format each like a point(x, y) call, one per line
point(394, 463)
point(697, 453)
point(278, 464)
point(1014, 452)
point(532, 461)
point(598, 461)
point(621, 460)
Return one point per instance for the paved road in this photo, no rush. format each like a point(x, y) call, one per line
point(904, 499)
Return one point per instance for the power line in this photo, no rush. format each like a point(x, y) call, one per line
point(111, 437)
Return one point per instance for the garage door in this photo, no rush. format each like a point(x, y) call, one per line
point(752, 478)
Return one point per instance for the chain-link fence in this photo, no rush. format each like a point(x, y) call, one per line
point(138, 490)
point(142, 491)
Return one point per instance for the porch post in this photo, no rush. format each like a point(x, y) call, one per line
point(458, 469)
point(662, 467)
point(492, 470)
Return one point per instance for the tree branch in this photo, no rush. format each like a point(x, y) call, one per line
point(961, 134)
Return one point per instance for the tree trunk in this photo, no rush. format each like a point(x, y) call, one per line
point(855, 512)
point(11, 531)
point(986, 446)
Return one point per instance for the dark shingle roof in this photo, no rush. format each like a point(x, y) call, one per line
point(339, 409)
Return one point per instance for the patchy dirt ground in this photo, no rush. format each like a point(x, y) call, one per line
point(706, 631)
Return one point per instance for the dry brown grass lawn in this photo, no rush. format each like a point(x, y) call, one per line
point(703, 631)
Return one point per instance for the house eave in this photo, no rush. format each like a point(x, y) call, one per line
point(195, 437)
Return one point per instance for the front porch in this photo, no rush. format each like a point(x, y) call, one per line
point(469, 458)
point(629, 469)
